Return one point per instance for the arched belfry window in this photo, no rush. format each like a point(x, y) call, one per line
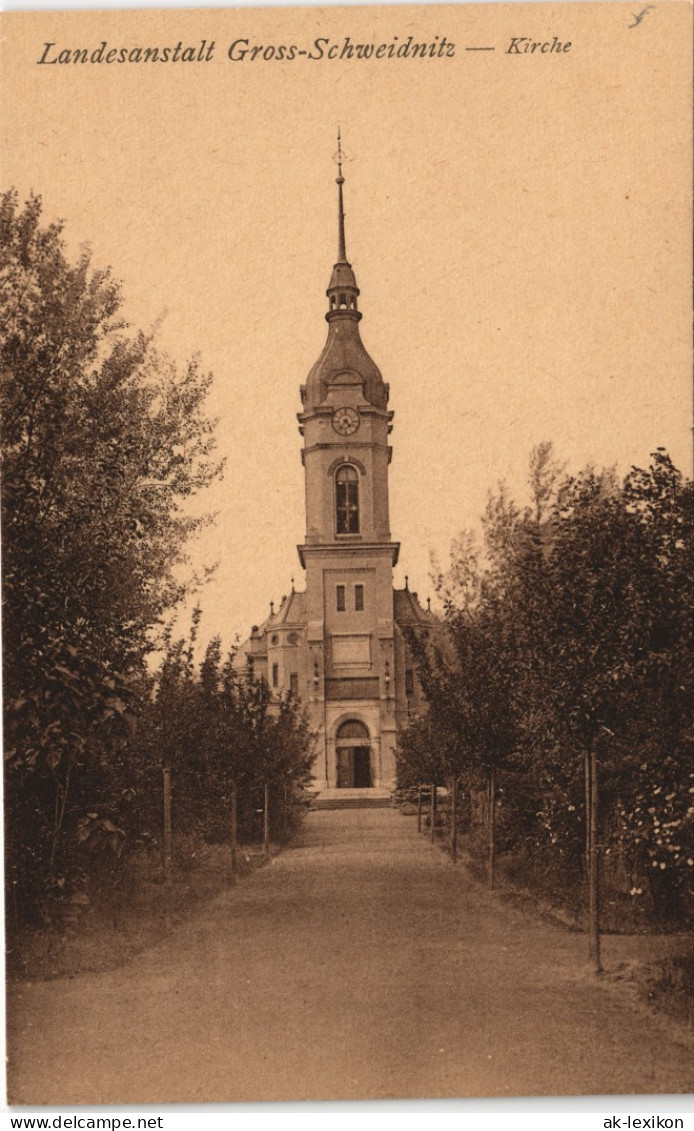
point(347, 499)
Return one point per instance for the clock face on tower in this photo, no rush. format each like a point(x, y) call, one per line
point(345, 421)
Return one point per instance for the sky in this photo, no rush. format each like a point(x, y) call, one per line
point(519, 226)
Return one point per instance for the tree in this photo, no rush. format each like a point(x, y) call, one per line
point(655, 803)
point(418, 754)
point(571, 658)
point(104, 443)
point(226, 739)
point(615, 636)
point(274, 742)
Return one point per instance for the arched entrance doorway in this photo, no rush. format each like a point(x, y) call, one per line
point(353, 746)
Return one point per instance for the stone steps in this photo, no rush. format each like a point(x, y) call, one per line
point(352, 799)
point(351, 803)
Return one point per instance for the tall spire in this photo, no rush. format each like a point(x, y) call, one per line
point(344, 359)
point(341, 252)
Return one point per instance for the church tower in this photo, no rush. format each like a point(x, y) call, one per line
point(348, 553)
point(340, 646)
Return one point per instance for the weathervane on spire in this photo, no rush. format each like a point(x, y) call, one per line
point(337, 157)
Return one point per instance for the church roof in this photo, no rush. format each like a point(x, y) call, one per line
point(291, 614)
point(344, 356)
point(408, 613)
point(292, 611)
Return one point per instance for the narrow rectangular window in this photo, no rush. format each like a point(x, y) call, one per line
point(294, 684)
point(340, 598)
point(409, 681)
point(275, 674)
point(359, 597)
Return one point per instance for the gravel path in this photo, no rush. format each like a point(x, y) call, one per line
point(360, 964)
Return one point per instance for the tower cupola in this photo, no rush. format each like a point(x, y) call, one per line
point(344, 359)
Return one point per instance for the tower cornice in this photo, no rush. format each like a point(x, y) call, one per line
point(343, 458)
point(348, 549)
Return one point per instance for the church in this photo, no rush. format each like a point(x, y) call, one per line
point(340, 645)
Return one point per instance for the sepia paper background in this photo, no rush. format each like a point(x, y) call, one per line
point(519, 225)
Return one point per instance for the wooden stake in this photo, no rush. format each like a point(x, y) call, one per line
point(419, 809)
point(454, 820)
point(586, 768)
point(492, 827)
point(167, 824)
point(266, 820)
point(594, 869)
point(234, 827)
point(167, 848)
point(433, 814)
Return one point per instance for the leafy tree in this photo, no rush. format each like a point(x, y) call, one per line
point(418, 754)
point(224, 737)
point(572, 649)
point(471, 726)
point(655, 795)
point(614, 635)
point(274, 742)
point(104, 443)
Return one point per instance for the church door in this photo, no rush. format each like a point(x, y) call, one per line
point(345, 768)
point(353, 749)
point(362, 767)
